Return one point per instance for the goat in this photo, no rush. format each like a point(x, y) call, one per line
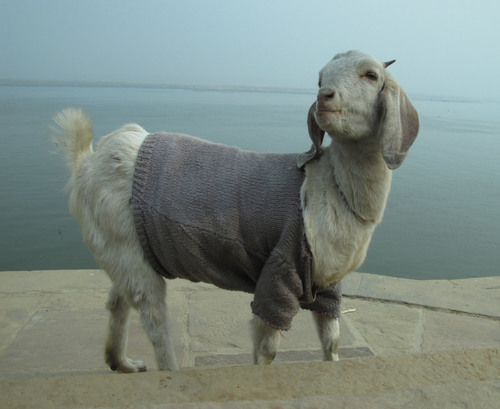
point(285, 227)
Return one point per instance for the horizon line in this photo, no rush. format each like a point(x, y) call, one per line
point(206, 87)
point(132, 84)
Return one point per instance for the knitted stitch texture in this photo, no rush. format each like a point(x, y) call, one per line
point(212, 213)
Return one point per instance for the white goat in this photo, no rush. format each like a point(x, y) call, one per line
point(341, 192)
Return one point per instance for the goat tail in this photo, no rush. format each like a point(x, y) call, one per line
point(73, 134)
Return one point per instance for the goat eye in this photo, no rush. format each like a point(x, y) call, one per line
point(319, 84)
point(371, 76)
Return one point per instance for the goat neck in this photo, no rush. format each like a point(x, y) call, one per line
point(351, 173)
point(361, 177)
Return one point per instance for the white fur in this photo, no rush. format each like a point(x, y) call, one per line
point(343, 198)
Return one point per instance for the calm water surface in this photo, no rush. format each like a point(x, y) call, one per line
point(442, 218)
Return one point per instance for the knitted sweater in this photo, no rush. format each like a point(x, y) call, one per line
point(217, 214)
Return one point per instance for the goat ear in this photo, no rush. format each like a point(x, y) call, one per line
point(316, 134)
point(399, 124)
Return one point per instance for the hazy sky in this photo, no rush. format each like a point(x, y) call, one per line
point(449, 47)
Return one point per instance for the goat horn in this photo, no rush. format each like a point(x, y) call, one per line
point(386, 64)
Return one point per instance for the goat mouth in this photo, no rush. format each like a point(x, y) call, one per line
point(329, 111)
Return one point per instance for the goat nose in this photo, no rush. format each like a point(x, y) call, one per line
point(325, 95)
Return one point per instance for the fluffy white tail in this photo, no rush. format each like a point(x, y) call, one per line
point(73, 134)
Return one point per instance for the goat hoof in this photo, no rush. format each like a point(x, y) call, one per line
point(128, 366)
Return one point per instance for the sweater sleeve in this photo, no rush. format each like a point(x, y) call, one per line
point(327, 301)
point(277, 293)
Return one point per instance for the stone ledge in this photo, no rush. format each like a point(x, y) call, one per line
point(475, 296)
point(280, 382)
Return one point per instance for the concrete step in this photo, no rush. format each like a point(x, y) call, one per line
point(466, 378)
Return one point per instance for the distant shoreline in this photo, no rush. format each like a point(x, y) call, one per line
point(213, 88)
point(124, 84)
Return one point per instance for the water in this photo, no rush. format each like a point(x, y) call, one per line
point(442, 218)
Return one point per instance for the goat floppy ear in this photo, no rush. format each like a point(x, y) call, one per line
point(399, 124)
point(316, 134)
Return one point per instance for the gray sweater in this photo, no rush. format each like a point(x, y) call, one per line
point(212, 213)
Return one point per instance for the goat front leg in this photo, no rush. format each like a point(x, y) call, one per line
point(329, 335)
point(266, 341)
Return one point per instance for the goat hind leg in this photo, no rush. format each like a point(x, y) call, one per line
point(153, 311)
point(116, 343)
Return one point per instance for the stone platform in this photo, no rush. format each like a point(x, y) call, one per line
point(404, 343)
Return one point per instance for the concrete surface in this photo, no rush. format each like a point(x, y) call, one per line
point(404, 343)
